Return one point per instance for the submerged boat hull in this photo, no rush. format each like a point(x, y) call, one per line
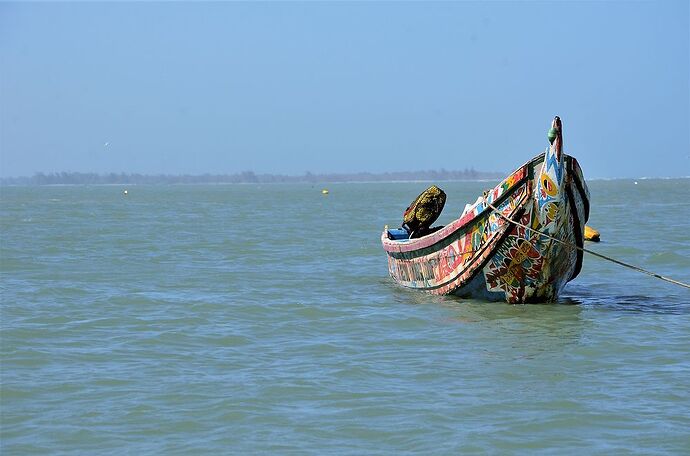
point(496, 251)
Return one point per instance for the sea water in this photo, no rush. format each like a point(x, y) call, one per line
point(260, 319)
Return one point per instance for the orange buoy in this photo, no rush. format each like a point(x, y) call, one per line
point(591, 234)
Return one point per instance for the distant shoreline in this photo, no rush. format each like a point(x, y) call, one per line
point(247, 177)
point(66, 179)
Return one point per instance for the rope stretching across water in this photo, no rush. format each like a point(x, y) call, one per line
point(634, 268)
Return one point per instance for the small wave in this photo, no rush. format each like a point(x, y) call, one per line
point(671, 304)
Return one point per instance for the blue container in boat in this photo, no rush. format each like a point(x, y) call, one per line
point(398, 234)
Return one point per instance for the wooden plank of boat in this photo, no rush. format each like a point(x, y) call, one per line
point(483, 255)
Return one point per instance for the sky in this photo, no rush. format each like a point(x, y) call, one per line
point(295, 87)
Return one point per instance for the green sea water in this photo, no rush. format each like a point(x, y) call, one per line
point(248, 319)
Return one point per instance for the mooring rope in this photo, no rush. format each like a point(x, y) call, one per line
point(568, 244)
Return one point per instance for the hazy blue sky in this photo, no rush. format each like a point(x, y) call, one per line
point(342, 87)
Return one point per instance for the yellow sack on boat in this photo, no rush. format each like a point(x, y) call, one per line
point(424, 210)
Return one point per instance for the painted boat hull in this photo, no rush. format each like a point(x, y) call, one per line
point(482, 255)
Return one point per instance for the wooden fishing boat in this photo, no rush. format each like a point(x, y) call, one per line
point(505, 246)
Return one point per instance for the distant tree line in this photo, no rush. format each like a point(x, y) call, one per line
point(246, 177)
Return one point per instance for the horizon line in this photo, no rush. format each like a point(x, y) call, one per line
point(250, 177)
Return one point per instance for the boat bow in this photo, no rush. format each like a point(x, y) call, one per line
point(550, 194)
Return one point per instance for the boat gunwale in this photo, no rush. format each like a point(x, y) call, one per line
point(411, 245)
point(575, 176)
